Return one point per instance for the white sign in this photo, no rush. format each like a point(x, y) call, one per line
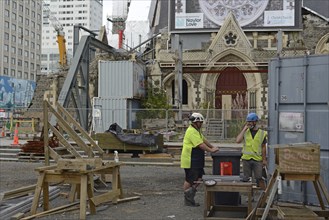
point(291, 121)
point(279, 18)
point(190, 20)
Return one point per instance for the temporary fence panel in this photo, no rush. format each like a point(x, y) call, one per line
point(124, 79)
point(299, 112)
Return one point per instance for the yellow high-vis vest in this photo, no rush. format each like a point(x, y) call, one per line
point(252, 147)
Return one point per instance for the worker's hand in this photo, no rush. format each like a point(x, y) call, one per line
point(214, 149)
point(264, 162)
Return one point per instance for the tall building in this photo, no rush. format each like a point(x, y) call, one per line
point(87, 13)
point(20, 38)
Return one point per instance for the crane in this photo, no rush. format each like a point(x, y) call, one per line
point(60, 35)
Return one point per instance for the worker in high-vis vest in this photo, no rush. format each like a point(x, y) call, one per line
point(193, 157)
point(254, 150)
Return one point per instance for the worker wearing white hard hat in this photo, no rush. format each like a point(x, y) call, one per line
point(193, 157)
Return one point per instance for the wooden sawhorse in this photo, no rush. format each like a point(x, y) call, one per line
point(267, 197)
point(225, 186)
point(83, 180)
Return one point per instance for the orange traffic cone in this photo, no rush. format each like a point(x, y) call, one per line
point(3, 132)
point(16, 142)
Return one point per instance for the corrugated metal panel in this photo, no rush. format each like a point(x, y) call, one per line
point(108, 111)
point(125, 79)
point(299, 112)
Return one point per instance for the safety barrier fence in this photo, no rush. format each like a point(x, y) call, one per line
point(227, 122)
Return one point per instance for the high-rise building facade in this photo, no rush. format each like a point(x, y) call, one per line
point(20, 38)
point(87, 13)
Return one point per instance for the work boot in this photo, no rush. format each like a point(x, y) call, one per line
point(189, 197)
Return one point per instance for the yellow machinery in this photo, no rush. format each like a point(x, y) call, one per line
point(60, 35)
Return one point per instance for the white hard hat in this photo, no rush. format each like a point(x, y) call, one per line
point(196, 117)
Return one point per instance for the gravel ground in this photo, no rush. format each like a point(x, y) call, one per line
point(159, 188)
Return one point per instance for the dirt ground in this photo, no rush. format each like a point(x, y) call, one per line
point(159, 188)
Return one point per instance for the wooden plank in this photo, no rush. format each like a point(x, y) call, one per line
point(83, 196)
point(110, 141)
point(301, 158)
point(37, 193)
point(17, 192)
point(82, 131)
point(65, 143)
point(61, 208)
point(106, 197)
point(81, 164)
point(296, 212)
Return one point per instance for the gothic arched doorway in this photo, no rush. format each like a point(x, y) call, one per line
point(231, 90)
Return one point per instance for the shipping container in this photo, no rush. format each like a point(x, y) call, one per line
point(125, 79)
point(299, 112)
point(107, 111)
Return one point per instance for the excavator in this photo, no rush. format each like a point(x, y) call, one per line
point(60, 36)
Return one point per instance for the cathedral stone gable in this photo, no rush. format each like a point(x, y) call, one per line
point(230, 35)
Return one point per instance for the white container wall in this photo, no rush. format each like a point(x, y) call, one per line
point(107, 111)
point(124, 79)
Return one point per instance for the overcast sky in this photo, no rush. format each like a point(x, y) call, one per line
point(138, 11)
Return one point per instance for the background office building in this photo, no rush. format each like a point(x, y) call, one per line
point(87, 13)
point(20, 38)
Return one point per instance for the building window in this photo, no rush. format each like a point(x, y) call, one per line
point(20, 19)
point(5, 59)
point(7, 13)
point(5, 71)
point(13, 27)
point(252, 104)
point(13, 61)
point(12, 72)
point(184, 91)
point(20, 51)
point(6, 24)
point(13, 38)
point(13, 50)
point(26, 64)
point(26, 53)
point(6, 47)
point(230, 39)
point(6, 36)
point(19, 62)
point(19, 74)
point(26, 75)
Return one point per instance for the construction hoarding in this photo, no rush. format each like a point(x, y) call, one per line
point(299, 112)
point(15, 93)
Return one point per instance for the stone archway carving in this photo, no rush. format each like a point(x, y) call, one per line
point(189, 80)
point(322, 46)
point(253, 80)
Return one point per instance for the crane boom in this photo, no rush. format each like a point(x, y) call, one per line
point(60, 35)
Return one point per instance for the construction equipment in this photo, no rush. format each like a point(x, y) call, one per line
point(60, 35)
